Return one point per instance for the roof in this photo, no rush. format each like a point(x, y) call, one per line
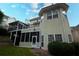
point(64, 6)
point(36, 18)
point(13, 23)
point(75, 27)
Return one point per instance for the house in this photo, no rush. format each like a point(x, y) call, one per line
point(51, 25)
point(75, 33)
point(5, 22)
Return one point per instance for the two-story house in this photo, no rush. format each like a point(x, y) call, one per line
point(51, 25)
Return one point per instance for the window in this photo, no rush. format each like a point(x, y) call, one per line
point(58, 37)
point(65, 16)
point(70, 39)
point(55, 14)
point(50, 38)
point(23, 37)
point(42, 44)
point(49, 15)
point(27, 37)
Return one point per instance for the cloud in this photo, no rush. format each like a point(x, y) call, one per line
point(11, 19)
point(27, 13)
point(35, 7)
point(47, 4)
point(13, 6)
point(23, 6)
point(3, 10)
point(31, 17)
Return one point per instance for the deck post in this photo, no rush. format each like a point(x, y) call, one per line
point(15, 38)
point(10, 35)
point(16, 34)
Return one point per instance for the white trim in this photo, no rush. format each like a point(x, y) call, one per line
point(16, 35)
point(15, 38)
point(34, 45)
point(10, 35)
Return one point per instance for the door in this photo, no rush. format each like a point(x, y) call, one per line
point(34, 41)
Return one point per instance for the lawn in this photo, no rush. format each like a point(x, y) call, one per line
point(15, 51)
point(7, 49)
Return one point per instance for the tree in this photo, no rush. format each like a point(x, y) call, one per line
point(1, 16)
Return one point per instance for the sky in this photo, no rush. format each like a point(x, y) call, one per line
point(26, 11)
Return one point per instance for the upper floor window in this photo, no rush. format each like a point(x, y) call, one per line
point(58, 37)
point(51, 38)
point(49, 15)
point(55, 14)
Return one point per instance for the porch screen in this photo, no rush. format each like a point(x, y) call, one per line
point(23, 36)
point(27, 37)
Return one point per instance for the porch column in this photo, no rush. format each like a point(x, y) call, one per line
point(16, 33)
point(15, 38)
point(10, 35)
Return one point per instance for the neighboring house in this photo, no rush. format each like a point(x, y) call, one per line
point(51, 25)
point(5, 22)
point(75, 33)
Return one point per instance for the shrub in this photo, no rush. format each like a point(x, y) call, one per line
point(60, 49)
point(76, 46)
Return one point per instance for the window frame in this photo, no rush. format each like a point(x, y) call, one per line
point(49, 15)
point(57, 37)
point(70, 37)
point(51, 37)
point(55, 14)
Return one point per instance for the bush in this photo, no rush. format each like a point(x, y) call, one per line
point(61, 49)
point(76, 46)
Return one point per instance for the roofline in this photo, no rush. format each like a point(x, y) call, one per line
point(18, 22)
point(53, 7)
point(35, 18)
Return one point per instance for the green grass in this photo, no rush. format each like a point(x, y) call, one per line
point(15, 51)
point(8, 50)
